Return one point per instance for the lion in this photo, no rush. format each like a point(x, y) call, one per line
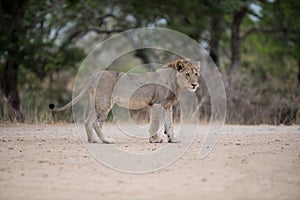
point(158, 90)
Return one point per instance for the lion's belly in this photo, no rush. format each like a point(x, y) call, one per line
point(135, 97)
point(133, 104)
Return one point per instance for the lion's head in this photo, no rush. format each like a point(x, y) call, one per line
point(188, 73)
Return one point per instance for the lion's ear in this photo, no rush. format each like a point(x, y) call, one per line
point(197, 65)
point(179, 65)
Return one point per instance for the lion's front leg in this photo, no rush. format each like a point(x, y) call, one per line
point(169, 126)
point(155, 118)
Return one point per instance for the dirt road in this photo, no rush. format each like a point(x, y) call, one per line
point(248, 162)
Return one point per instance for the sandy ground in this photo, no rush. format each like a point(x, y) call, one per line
point(248, 162)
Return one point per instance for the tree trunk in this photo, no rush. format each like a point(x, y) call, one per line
point(9, 79)
point(299, 72)
point(215, 32)
point(140, 53)
point(11, 17)
point(10, 88)
point(236, 40)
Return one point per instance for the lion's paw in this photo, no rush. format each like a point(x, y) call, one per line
point(155, 139)
point(173, 140)
point(94, 140)
point(109, 141)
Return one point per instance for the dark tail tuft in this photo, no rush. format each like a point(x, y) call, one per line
point(51, 106)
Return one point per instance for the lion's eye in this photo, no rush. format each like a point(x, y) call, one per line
point(196, 74)
point(188, 75)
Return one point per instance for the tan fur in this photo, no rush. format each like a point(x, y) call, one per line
point(159, 90)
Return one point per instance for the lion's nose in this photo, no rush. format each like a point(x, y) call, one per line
point(194, 85)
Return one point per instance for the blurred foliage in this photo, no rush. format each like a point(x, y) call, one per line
point(48, 39)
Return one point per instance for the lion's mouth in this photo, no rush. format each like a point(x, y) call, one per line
point(192, 89)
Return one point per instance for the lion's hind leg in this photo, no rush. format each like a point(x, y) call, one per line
point(155, 118)
point(92, 136)
point(102, 107)
point(98, 125)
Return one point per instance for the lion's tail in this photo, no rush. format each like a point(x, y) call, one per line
point(71, 103)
